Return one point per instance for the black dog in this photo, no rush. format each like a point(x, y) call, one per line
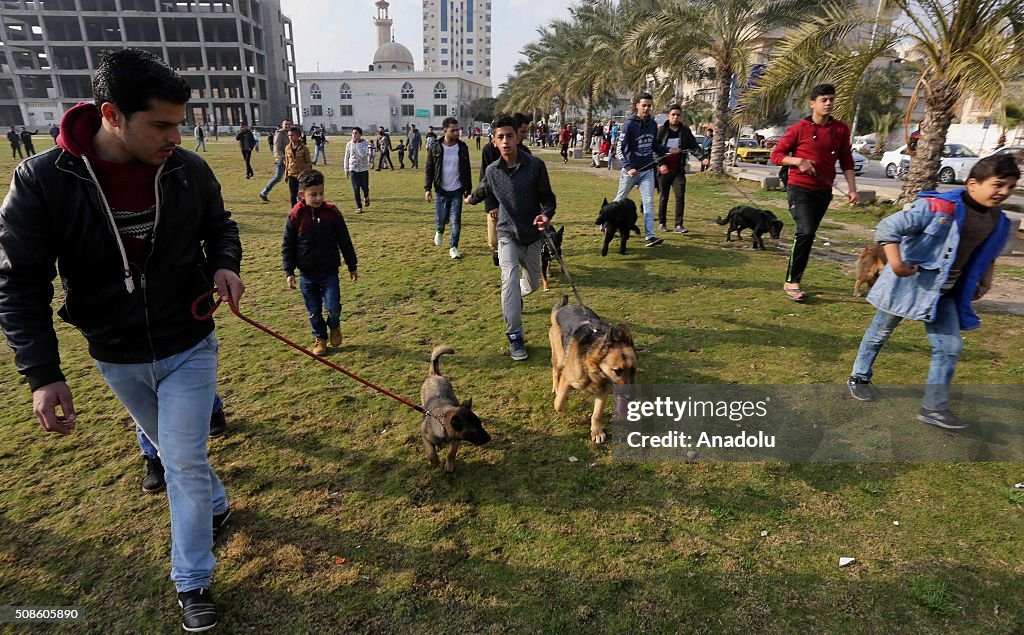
point(546, 256)
point(617, 216)
point(758, 221)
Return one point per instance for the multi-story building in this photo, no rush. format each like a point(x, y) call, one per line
point(237, 55)
point(457, 37)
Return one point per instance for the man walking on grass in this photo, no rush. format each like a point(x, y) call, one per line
point(448, 173)
point(517, 192)
point(812, 146)
point(636, 153)
point(137, 230)
point(278, 142)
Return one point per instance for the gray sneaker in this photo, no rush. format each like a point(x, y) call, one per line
point(662, 227)
point(681, 230)
point(941, 418)
point(517, 347)
point(861, 389)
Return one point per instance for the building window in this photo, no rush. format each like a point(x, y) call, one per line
point(440, 110)
point(407, 91)
point(469, 51)
point(444, 40)
point(345, 110)
point(408, 110)
point(469, 40)
point(314, 92)
point(440, 91)
point(469, 62)
point(444, 51)
point(444, 62)
point(316, 110)
point(345, 92)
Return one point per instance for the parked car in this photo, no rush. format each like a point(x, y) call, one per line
point(957, 161)
point(750, 152)
point(773, 141)
point(860, 162)
point(1017, 150)
point(863, 145)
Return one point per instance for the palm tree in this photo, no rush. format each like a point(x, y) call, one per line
point(957, 48)
point(882, 124)
point(1010, 117)
point(725, 32)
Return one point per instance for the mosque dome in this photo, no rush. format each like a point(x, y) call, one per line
point(392, 57)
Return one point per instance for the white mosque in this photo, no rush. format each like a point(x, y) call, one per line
point(391, 93)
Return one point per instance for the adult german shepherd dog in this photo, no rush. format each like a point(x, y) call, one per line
point(588, 354)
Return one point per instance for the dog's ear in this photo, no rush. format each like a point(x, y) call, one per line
point(468, 404)
point(621, 333)
point(605, 202)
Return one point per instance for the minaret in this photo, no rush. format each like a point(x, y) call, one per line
point(383, 23)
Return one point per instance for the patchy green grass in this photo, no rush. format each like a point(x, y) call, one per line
point(520, 539)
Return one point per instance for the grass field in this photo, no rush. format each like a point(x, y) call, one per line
point(520, 538)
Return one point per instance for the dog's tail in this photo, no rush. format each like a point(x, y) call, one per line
point(435, 357)
point(722, 221)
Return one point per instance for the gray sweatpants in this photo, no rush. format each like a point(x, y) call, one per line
point(510, 256)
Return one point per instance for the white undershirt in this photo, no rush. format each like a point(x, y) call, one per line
point(450, 181)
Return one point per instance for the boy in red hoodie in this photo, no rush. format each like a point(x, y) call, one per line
point(313, 234)
point(815, 143)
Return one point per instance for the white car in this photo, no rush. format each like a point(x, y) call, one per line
point(957, 161)
point(860, 162)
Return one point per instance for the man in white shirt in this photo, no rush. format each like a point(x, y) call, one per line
point(448, 174)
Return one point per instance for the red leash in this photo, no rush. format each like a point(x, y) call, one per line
point(234, 309)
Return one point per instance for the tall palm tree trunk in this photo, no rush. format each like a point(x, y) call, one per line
point(588, 123)
point(721, 119)
point(940, 102)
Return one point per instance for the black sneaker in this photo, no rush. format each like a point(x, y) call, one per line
point(218, 424)
point(264, 197)
point(651, 242)
point(219, 522)
point(494, 258)
point(861, 389)
point(198, 611)
point(153, 482)
point(942, 418)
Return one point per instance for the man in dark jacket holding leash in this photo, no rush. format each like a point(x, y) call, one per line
point(138, 231)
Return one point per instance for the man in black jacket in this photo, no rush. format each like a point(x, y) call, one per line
point(246, 142)
point(15, 140)
point(137, 229)
point(448, 173)
point(672, 172)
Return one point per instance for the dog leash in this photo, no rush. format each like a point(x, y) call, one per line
point(234, 309)
point(565, 270)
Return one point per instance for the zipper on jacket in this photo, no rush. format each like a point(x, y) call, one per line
point(129, 282)
point(145, 313)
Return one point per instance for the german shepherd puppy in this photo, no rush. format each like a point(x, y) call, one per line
point(869, 266)
point(546, 256)
point(457, 423)
point(757, 220)
point(617, 216)
point(588, 354)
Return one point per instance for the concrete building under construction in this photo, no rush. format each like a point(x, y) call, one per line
point(237, 55)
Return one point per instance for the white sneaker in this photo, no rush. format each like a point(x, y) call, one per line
point(437, 239)
point(454, 253)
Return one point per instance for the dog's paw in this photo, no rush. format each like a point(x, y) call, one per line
point(449, 467)
point(598, 436)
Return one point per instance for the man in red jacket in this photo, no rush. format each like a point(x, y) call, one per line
point(815, 143)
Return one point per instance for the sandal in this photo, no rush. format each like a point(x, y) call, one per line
point(796, 294)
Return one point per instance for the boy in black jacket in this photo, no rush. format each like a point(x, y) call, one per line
point(313, 234)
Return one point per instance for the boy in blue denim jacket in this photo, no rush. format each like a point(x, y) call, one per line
point(941, 252)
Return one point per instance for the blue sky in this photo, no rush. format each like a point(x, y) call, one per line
point(339, 35)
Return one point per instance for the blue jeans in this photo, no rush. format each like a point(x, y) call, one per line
point(360, 182)
point(171, 399)
point(278, 175)
point(320, 151)
point(319, 294)
point(448, 206)
point(645, 181)
point(148, 449)
point(943, 335)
